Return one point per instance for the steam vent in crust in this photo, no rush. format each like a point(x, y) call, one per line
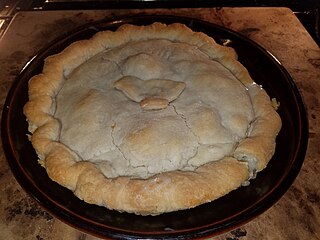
point(150, 119)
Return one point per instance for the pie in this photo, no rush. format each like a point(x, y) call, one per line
point(150, 119)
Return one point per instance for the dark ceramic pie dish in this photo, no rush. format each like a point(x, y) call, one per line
point(230, 211)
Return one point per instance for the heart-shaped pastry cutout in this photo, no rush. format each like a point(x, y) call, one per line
point(152, 94)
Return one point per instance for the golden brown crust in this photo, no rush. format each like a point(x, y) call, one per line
point(154, 103)
point(163, 192)
point(259, 146)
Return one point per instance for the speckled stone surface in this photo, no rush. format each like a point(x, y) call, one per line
point(295, 216)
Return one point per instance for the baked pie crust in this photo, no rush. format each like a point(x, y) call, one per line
point(150, 119)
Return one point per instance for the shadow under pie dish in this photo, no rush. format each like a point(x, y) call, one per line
point(150, 119)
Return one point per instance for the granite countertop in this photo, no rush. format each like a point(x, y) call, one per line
point(295, 216)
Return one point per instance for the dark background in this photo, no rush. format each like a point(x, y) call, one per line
point(307, 11)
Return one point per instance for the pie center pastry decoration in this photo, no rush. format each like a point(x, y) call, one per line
point(150, 119)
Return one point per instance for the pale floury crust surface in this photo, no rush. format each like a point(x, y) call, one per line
point(150, 119)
